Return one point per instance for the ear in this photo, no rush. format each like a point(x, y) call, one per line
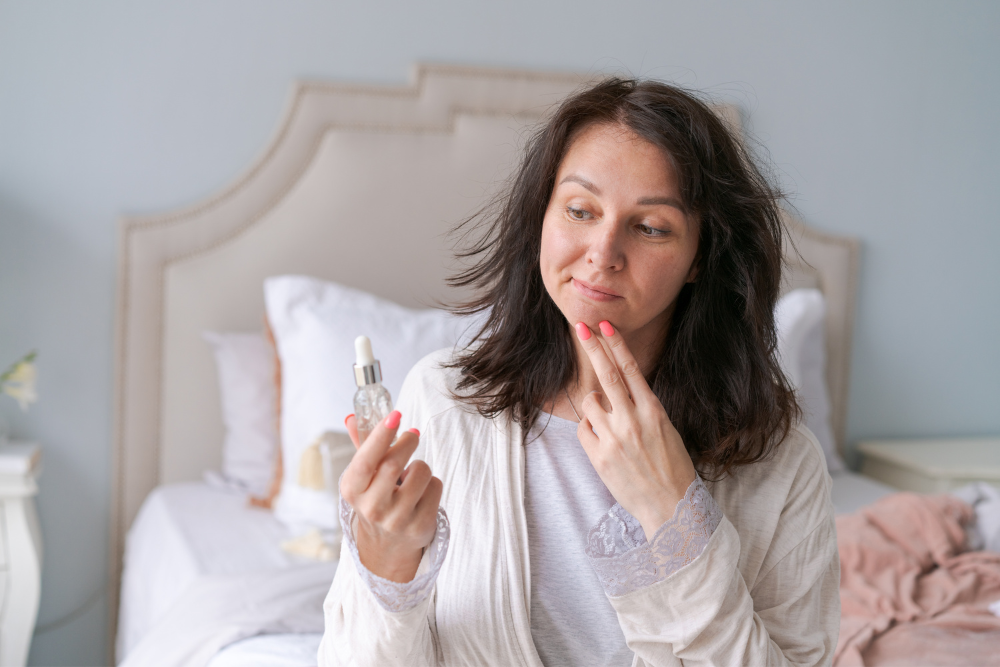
point(692, 275)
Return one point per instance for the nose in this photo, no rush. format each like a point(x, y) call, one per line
point(606, 251)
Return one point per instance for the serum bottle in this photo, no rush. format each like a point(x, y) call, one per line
point(372, 402)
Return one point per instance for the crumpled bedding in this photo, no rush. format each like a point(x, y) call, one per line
point(911, 592)
point(222, 609)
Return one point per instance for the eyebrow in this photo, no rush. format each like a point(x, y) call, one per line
point(573, 178)
point(663, 201)
point(645, 201)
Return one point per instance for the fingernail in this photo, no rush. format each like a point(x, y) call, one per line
point(392, 421)
point(606, 328)
point(582, 331)
point(348, 417)
point(415, 432)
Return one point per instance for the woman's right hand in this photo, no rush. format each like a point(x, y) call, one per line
point(396, 505)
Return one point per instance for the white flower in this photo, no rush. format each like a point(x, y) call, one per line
point(18, 381)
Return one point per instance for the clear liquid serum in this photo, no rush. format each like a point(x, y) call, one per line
point(372, 402)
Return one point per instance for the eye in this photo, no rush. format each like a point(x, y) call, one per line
point(578, 214)
point(652, 232)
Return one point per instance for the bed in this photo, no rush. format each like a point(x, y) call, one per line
point(316, 203)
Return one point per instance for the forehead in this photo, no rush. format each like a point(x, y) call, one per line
point(618, 156)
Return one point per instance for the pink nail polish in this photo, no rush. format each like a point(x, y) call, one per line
point(415, 432)
point(582, 331)
point(606, 328)
point(392, 421)
point(348, 417)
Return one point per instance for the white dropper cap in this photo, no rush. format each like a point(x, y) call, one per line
point(366, 368)
point(363, 351)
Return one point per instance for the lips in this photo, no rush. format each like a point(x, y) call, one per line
point(595, 292)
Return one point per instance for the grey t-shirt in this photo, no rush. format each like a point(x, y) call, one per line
point(572, 620)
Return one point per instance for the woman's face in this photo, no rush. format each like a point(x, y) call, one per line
point(617, 241)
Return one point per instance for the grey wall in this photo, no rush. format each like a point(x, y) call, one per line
point(880, 118)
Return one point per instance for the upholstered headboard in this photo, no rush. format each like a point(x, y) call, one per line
point(359, 185)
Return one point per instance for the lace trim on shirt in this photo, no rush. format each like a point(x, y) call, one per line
point(626, 562)
point(393, 596)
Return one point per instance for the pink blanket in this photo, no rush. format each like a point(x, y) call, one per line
point(908, 593)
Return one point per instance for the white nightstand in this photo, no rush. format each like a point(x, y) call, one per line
point(20, 550)
point(932, 466)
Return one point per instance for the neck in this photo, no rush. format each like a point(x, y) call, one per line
point(645, 344)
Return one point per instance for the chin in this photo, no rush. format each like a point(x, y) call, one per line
point(589, 315)
point(576, 308)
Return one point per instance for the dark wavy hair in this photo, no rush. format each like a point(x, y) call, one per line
point(717, 375)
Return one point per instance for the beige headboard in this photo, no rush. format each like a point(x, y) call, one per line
point(359, 186)
point(830, 263)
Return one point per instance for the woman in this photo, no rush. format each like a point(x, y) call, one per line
point(618, 469)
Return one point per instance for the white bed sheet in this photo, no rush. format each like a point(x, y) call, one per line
point(186, 531)
point(852, 491)
point(284, 650)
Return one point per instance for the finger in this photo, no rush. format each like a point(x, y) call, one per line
point(352, 429)
point(626, 363)
point(595, 412)
point(428, 504)
point(370, 453)
point(415, 481)
point(607, 372)
point(586, 435)
point(393, 464)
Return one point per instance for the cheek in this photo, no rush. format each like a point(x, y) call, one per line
point(664, 279)
point(556, 252)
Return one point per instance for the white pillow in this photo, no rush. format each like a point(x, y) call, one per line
point(800, 318)
point(314, 323)
point(245, 364)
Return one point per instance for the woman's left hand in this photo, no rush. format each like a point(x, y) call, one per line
point(634, 448)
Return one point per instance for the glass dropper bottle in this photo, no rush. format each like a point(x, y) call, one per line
point(372, 402)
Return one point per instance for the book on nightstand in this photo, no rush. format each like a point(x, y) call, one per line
point(932, 465)
point(19, 458)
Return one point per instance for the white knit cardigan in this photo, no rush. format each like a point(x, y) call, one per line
point(763, 592)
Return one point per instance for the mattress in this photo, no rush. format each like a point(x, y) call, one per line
point(190, 530)
point(851, 491)
point(186, 531)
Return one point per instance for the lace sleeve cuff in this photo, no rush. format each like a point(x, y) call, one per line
point(626, 562)
point(393, 596)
